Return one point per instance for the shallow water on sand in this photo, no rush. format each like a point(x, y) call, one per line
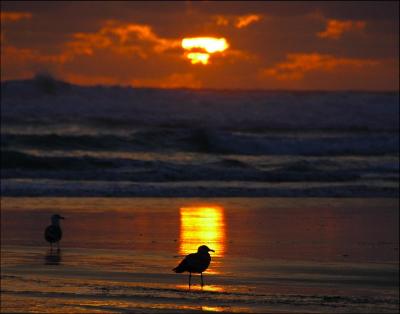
point(272, 255)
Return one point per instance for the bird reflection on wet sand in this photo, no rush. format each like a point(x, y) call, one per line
point(53, 257)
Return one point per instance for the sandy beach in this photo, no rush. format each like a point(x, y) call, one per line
point(272, 255)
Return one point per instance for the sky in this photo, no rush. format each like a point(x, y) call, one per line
point(299, 45)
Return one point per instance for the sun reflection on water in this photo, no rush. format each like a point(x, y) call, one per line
point(202, 225)
point(207, 288)
point(212, 308)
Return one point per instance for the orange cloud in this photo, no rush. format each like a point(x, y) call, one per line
point(298, 64)
point(221, 20)
point(14, 16)
point(237, 21)
point(144, 33)
point(85, 44)
point(246, 20)
point(121, 38)
point(336, 28)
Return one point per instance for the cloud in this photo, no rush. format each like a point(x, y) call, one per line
point(221, 20)
point(246, 20)
point(118, 38)
point(336, 28)
point(131, 38)
point(14, 16)
point(298, 64)
point(238, 21)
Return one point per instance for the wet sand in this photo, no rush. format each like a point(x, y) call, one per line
point(272, 255)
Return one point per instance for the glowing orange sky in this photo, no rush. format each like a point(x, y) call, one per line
point(251, 45)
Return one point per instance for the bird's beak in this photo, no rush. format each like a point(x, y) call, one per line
point(211, 250)
point(61, 217)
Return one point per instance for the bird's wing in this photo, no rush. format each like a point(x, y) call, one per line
point(197, 262)
point(194, 263)
point(53, 233)
point(185, 264)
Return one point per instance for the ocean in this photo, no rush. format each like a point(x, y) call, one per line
point(59, 139)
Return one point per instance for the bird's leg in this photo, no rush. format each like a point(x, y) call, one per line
point(190, 277)
point(58, 245)
point(51, 246)
point(202, 284)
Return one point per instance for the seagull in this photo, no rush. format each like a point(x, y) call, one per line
point(53, 233)
point(195, 263)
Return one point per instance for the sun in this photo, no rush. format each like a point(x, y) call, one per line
point(198, 57)
point(199, 49)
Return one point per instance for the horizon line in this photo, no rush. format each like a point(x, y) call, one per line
point(205, 88)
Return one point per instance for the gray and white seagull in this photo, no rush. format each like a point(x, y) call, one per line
point(53, 233)
point(195, 263)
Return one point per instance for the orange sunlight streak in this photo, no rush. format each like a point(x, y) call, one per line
point(202, 225)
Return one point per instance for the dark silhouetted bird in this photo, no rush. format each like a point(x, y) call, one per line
point(195, 263)
point(53, 233)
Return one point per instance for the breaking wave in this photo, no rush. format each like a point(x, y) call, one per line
point(198, 141)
